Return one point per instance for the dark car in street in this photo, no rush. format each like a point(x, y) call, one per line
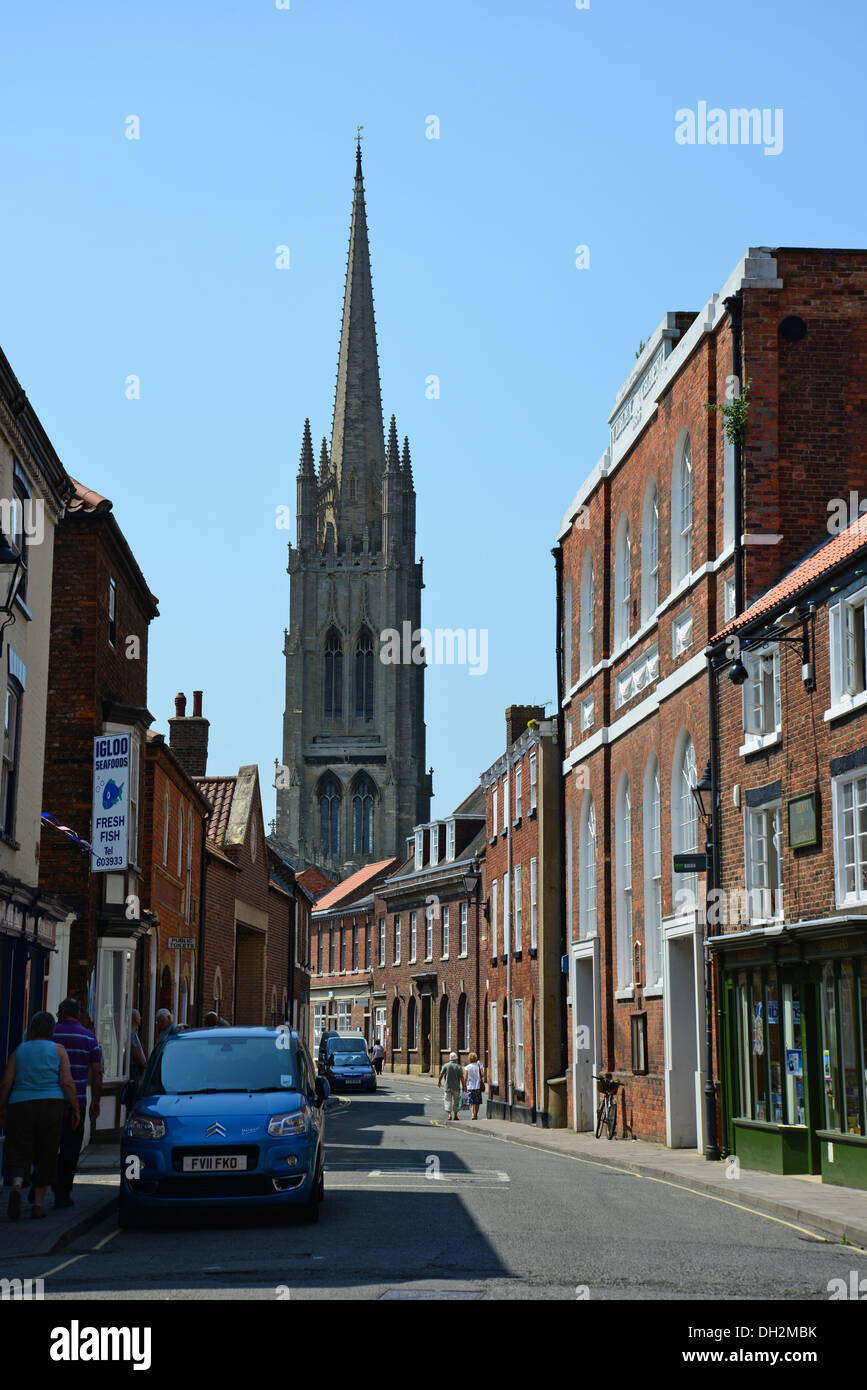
point(345, 1063)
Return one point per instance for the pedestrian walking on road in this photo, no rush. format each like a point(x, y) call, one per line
point(378, 1057)
point(85, 1058)
point(453, 1076)
point(36, 1086)
point(137, 1059)
point(474, 1080)
point(164, 1020)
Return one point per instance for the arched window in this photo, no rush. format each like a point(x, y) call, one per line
point(330, 795)
point(411, 1025)
point(652, 874)
point(463, 1024)
point(333, 675)
point(587, 868)
point(363, 799)
point(218, 990)
point(623, 851)
point(650, 552)
point(621, 584)
point(364, 676)
point(684, 815)
point(396, 1040)
point(681, 511)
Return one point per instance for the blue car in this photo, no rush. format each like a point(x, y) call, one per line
point(225, 1117)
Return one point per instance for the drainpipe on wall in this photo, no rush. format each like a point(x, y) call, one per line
point(557, 552)
point(735, 305)
point(711, 1143)
point(510, 1071)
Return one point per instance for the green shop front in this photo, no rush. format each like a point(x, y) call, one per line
point(793, 1047)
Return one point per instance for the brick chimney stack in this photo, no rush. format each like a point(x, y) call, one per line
point(517, 719)
point(188, 736)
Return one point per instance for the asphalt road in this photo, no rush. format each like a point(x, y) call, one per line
point(416, 1208)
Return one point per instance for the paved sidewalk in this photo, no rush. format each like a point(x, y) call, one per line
point(839, 1212)
point(94, 1195)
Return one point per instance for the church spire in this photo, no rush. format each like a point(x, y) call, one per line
point(392, 458)
point(407, 461)
point(306, 469)
point(357, 453)
point(323, 460)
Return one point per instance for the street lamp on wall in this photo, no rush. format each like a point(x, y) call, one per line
point(472, 886)
point(11, 575)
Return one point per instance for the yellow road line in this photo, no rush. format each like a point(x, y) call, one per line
point(666, 1182)
point(107, 1238)
point(58, 1268)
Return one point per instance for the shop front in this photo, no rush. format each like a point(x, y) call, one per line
point(793, 1048)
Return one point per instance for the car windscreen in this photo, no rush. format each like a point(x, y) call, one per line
point(203, 1065)
point(351, 1059)
point(336, 1045)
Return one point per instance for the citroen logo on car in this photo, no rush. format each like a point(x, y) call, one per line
point(216, 1128)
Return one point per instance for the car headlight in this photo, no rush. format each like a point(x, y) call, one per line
point(294, 1123)
point(142, 1127)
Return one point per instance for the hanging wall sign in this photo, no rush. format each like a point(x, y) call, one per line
point(110, 827)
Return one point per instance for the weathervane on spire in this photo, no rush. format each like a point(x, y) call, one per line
point(359, 137)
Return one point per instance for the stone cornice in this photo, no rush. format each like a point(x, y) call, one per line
point(54, 492)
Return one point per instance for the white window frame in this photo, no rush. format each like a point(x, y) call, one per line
point(534, 914)
point(652, 827)
point(587, 869)
point(761, 714)
point(857, 780)
point(505, 802)
point(495, 809)
point(507, 915)
point(495, 893)
point(419, 849)
point(428, 933)
point(413, 937)
point(682, 512)
point(519, 923)
point(623, 875)
point(450, 840)
point(492, 1041)
point(586, 619)
point(518, 1035)
point(465, 921)
point(518, 787)
point(434, 844)
point(763, 861)
point(533, 775)
point(397, 938)
point(847, 639)
point(622, 584)
point(650, 552)
point(445, 919)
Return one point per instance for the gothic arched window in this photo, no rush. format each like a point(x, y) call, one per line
point(364, 676)
point(363, 799)
point(330, 795)
point(333, 682)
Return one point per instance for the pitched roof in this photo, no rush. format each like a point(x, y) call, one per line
point(472, 805)
point(822, 560)
point(316, 883)
point(85, 499)
point(355, 885)
point(219, 791)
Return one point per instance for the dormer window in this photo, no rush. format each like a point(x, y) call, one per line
point(434, 844)
point(419, 849)
point(450, 840)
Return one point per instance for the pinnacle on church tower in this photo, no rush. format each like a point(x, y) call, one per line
point(392, 457)
point(306, 469)
point(323, 460)
point(406, 462)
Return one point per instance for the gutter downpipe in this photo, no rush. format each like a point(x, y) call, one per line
point(511, 945)
point(735, 304)
point(200, 989)
point(557, 552)
point(711, 1144)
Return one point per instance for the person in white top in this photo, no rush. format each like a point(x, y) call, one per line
point(474, 1080)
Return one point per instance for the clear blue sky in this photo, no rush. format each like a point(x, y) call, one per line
point(156, 257)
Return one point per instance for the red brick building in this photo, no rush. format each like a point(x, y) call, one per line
point(690, 514)
point(343, 927)
point(175, 816)
point(100, 612)
point(789, 916)
point(246, 950)
point(524, 986)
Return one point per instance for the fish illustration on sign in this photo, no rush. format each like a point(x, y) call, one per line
point(111, 793)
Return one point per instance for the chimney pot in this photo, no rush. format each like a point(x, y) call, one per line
point(180, 705)
point(197, 704)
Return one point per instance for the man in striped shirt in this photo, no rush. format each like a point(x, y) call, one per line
point(84, 1056)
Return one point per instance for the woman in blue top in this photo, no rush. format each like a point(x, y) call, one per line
point(34, 1091)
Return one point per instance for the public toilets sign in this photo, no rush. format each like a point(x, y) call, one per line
point(110, 829)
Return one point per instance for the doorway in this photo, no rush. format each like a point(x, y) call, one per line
point(585, 1032)
point(425, 1032)
point(684, 1078)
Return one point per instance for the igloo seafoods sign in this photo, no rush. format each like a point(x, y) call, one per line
point(110, 827)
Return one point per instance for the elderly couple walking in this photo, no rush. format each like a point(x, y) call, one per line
point(456, 1078)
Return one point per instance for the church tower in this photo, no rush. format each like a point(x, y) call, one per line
point(353, 783)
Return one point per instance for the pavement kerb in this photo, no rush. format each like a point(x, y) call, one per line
point(852, 1231)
